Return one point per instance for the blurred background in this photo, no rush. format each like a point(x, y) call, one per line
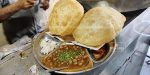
point(3, 40)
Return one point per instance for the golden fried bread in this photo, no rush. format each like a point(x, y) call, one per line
point(100, 25)
point(65, 17)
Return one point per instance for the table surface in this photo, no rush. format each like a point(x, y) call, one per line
point(18, 65)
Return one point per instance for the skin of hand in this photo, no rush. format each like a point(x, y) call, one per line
point(25, 4)
point(9, 10)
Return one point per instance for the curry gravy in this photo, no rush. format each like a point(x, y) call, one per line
point(70, 56)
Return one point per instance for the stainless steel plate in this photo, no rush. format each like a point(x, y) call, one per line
point(37, 54)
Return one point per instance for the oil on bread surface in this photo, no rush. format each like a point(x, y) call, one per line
point(99, 25)
point(65, 17)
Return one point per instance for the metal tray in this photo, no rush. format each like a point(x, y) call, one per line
point(38, 55)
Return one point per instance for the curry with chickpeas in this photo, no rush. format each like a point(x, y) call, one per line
point(70, 56)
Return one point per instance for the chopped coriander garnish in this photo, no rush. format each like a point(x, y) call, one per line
point(68, 55)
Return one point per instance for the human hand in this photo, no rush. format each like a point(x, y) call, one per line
point(26, 4)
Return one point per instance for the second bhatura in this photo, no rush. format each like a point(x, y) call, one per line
point(99, 25)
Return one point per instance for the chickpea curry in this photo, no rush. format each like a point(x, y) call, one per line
point(70, 56)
